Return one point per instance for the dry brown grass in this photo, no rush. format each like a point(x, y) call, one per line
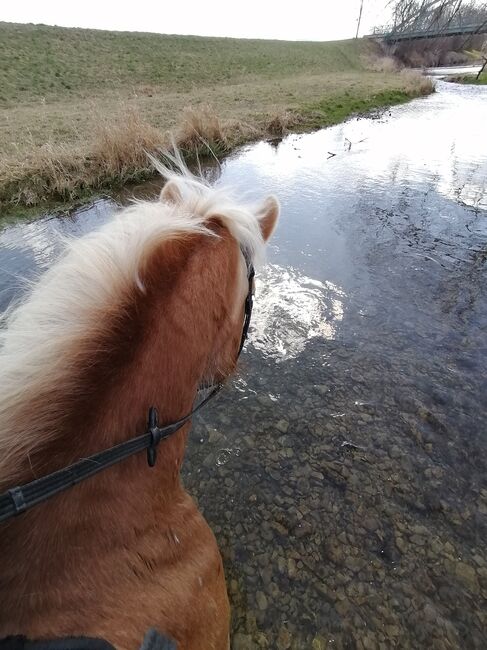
point(280, 122)
point(120, 146)
point(52, 171)
point(201, 127)
point(55, 171)
point(384, 64)
point(115, 153)
point(416, 82)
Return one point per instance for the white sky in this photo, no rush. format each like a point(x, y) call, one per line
point(320, 20)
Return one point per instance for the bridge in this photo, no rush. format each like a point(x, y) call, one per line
point(390, 36)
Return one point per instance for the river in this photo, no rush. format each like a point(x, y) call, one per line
point(344, 469)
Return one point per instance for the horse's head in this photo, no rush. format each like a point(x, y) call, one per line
point(136, 314)
point(239, 236)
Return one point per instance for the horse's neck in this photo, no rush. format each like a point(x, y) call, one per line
point(86, 527)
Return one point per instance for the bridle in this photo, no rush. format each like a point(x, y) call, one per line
point(19, 499)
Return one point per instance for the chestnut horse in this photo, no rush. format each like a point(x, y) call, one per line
point(139, 313)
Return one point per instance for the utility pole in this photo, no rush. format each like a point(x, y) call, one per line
point(359, 17)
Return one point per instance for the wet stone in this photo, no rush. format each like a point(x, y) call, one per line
point(261, 600)
point(355, 564)
point(214, 436)
point(291, 568)
point(468, 576)
point(283, 639)
point(282, 426)
point(371, 524)
point(322, 389)
point(395, 452)
point(242, 642)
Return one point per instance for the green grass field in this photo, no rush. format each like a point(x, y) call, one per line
point(77, 106)
point(56, 62)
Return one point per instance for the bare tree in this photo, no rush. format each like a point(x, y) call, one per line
point(441, 18)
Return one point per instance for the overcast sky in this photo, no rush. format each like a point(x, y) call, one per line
point(321, 20)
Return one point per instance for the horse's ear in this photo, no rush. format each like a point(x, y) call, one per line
point(171, 193)
point(268, 215)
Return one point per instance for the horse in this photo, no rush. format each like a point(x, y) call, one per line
point(140, 313)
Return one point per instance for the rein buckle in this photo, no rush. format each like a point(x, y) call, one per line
point(153, 428)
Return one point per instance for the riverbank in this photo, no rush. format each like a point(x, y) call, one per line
point(470, 79)
point(78, 108)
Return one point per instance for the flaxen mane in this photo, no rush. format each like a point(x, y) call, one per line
point(45, 337)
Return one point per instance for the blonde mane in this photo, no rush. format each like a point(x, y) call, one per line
point(65, 306)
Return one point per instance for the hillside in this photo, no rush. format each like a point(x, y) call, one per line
point(53, 62)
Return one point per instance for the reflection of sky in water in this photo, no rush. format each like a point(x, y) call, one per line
point(291, 309)
point(441, 140)
point(29, 247)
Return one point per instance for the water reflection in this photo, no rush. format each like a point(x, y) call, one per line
point(291, 309)
point(417, 144)
point(28, 248)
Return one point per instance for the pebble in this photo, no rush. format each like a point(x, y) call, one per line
point(261, 600)
point(291, 568)
point(282, 426)
point(214, 436)
point(467, 575)
point(242, 642)
point(355, 564)
point(283, 639)
point(395, 452)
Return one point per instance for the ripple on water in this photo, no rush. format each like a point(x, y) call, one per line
point(291, 309)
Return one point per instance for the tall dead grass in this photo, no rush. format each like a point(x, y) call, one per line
point(119, 147)
point(280, 122)
point(414, 83)
point(417, 84)
point(117, 154)
point(201, 127)
point(384, 64)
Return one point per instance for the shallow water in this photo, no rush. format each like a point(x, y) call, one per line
point(452, 70)
point(344, 470)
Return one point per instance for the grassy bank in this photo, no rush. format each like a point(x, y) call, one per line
point(78, 107)
point(470, 79)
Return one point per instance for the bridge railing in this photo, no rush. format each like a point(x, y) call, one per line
point(389, 33)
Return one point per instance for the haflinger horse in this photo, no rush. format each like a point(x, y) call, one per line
point(140, 313)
